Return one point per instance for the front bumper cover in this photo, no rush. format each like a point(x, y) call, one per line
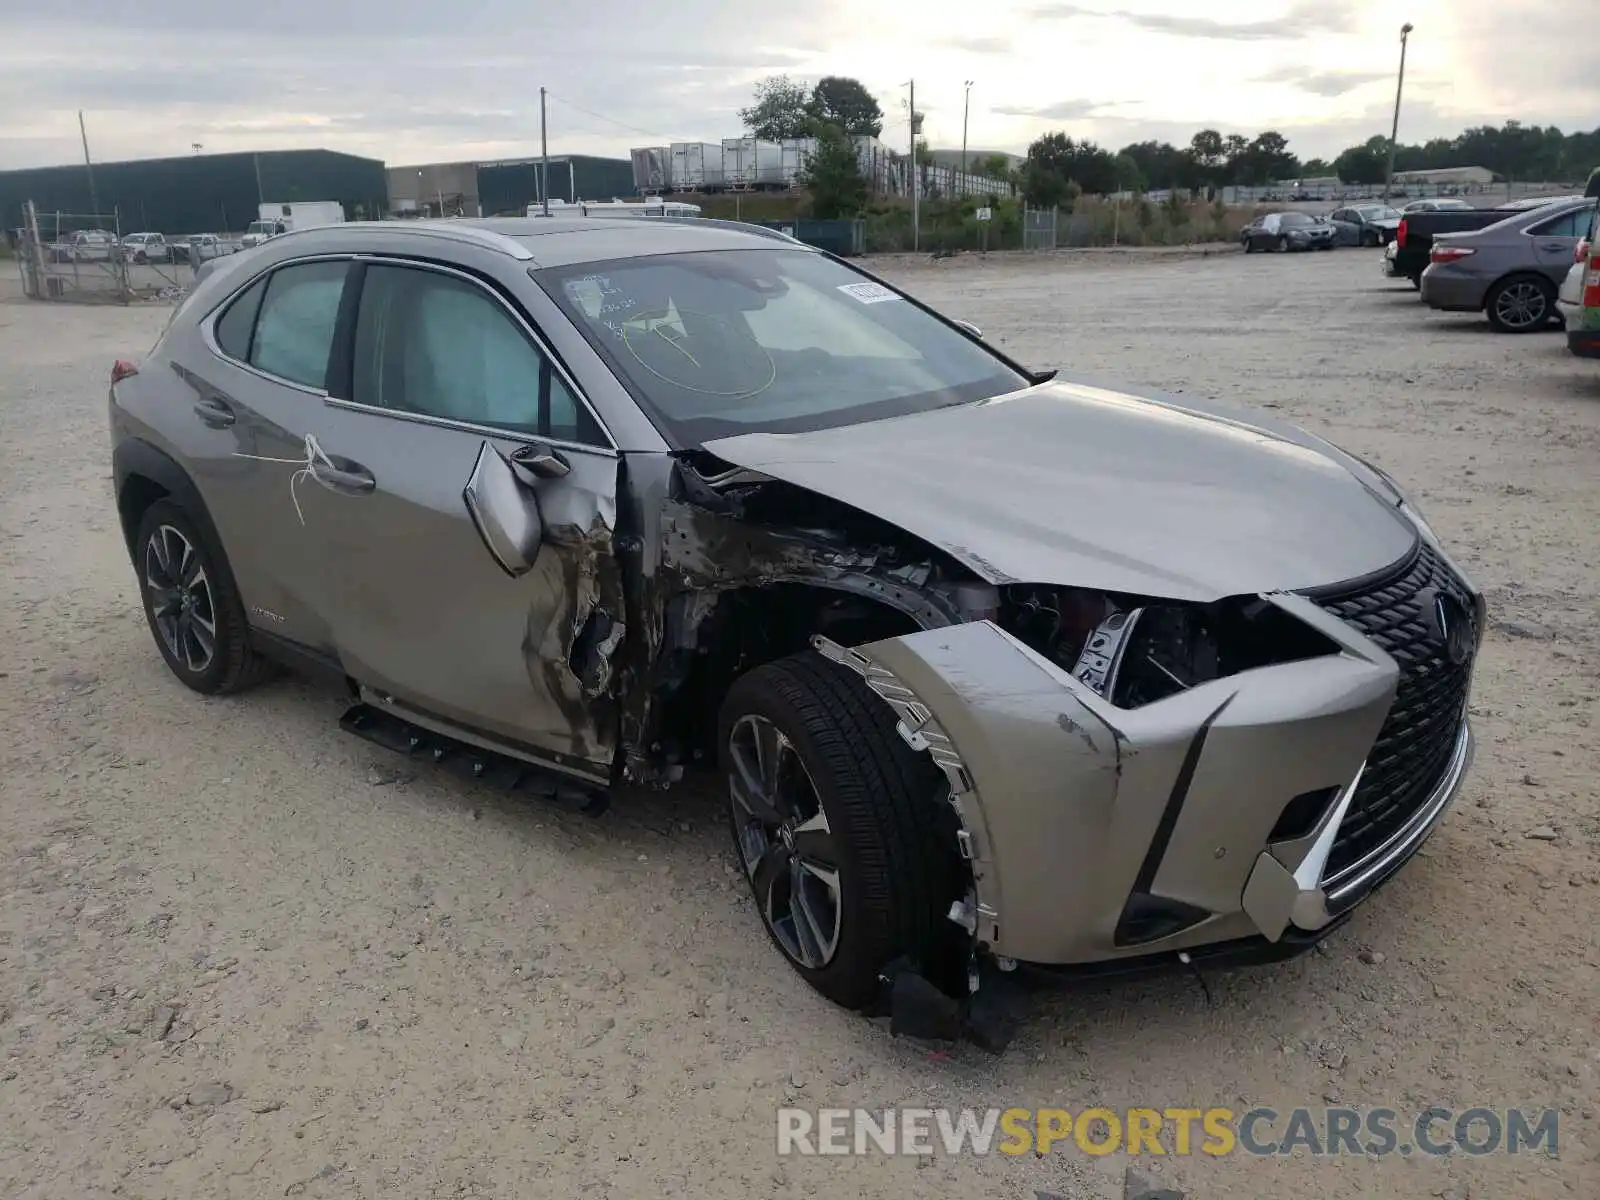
point(1069, 806)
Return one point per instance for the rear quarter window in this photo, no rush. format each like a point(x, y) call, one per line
point(238, 321)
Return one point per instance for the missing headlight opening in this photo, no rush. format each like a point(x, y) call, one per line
point(1135, 651)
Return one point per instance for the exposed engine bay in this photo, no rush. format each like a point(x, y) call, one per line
point(1135, 651)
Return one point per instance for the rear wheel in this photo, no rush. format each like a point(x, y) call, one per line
point(191, 605)
point(839, 826)
point(1521, 304)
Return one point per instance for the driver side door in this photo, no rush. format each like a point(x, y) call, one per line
point(466, 518)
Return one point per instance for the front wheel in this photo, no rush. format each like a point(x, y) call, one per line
point(842, 830)
point(1369, 239)
point(1521, 304)
point(1283, 245)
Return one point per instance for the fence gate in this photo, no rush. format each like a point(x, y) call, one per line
point(73, 257)
point(1038, 229)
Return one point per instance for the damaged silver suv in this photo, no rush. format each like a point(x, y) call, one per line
point(995, 667)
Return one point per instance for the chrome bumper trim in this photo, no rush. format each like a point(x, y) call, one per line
point(1356, 878)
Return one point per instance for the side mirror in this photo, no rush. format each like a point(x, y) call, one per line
point(538, 461)
point(504, 512)
point(971, 328)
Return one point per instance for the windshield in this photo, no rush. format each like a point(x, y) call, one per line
point(260, 227)
point(1378, 212)
point(1294, 220)
point(718, 343)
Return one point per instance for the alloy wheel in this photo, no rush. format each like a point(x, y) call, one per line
point(785, 843)
point(181, 604)
point(1521, 305)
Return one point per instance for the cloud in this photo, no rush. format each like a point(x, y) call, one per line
point(1063, 110)
point(978, 45)
point(1324, 83)
point(1301, 19)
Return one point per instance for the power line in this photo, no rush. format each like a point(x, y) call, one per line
point(599, 116)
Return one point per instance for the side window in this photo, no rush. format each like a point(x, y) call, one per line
point(236, 324)
point(294, 331)
point(430, 343)
point(1572, 225)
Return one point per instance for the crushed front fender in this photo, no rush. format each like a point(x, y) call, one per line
point(1072, 808)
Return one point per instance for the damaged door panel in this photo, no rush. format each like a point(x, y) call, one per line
point(1073, 802)
point(477, 592)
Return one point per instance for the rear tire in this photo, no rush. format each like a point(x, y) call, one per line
point(191, 604)
point(858, 795)
point(1520, 304)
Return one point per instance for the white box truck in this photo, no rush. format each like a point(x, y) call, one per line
point(273, 219)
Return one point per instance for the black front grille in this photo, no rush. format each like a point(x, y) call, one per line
point(1414, 747)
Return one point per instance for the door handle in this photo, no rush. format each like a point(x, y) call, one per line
point(349, 477)
point(214, 413)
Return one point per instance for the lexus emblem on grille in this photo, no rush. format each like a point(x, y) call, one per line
point(1454, 623)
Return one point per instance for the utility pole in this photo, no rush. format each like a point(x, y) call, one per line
point(916, 169)
point(83, 132)
point(544, 159)
point(1394, 130)
point(966, 102)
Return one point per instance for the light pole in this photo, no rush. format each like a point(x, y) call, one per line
point(966, 101)
point(1394, 130)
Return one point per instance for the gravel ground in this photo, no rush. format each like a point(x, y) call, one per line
point(243, 954)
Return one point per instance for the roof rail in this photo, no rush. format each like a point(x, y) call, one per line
point(736, 226)
point(454, 231)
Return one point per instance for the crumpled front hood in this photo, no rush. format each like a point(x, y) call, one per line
point(1073, 484)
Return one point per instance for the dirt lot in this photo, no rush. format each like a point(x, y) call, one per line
point(243, 954)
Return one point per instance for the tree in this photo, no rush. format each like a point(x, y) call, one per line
point(1208, 152)
point(1314, 168)
point(993, 166)
point(1128, 175)
point(1162, 165)
point(1264, 160)
point(1055, 161)
point(844, 102)
point(779, 110)
point(832, 173)
point(1365, 164)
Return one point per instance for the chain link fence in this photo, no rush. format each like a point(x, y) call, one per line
point(85, 258)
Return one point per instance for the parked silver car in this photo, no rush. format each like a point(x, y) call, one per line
point(992, 665)
point(1511, 270)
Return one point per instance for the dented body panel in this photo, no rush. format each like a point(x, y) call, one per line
point(1073, 804)
point(1071, 484)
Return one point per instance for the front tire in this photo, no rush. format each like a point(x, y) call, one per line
point(191, 604)
point(1283, 245)
point(841, 828)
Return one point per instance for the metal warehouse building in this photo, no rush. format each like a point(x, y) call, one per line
point(500, 188)
point(198, 193)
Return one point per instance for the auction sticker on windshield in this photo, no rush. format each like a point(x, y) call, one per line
point(868, 293)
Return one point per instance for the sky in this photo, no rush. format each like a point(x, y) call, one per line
point(409, 81)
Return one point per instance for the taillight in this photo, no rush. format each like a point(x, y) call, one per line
point(1445, 254)
point(1400, 234)
point(1591, 283)
point(121, 369)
